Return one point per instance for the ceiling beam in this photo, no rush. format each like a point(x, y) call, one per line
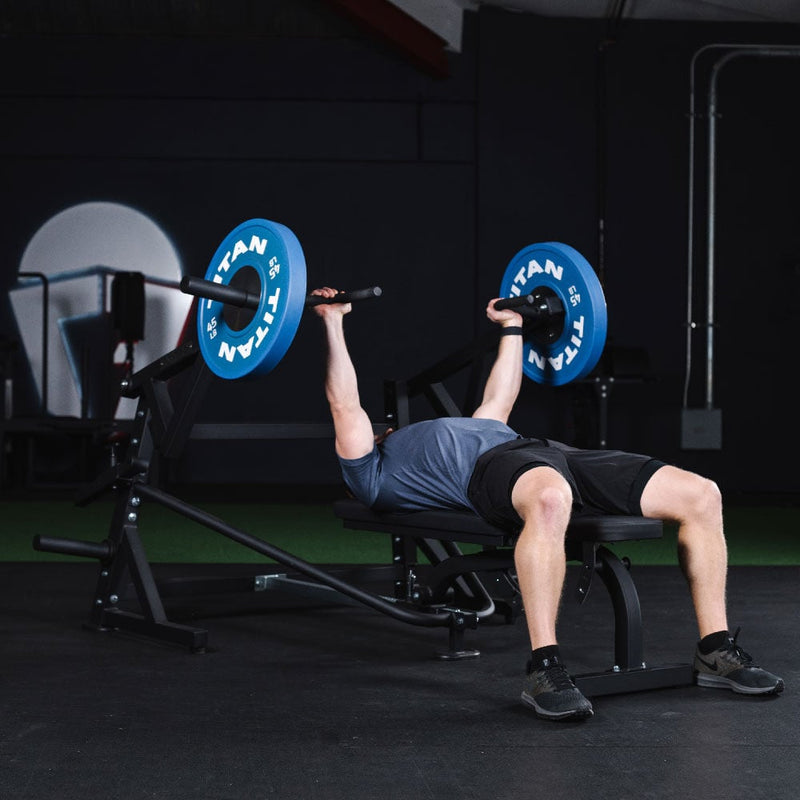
point(443, 17)
point(415, 41)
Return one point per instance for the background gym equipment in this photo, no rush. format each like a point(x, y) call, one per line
point(252, 315)
point(161, 430)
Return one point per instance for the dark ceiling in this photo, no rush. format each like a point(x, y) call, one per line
point(425, 31)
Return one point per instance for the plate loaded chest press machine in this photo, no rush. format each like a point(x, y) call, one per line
point(251, 303)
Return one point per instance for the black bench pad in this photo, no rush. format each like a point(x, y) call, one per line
point(464, 526)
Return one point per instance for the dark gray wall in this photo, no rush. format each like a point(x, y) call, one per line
point(428, 187)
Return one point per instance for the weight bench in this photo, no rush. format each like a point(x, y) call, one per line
point(452, 575)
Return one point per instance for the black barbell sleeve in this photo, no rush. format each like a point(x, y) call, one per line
point(229, 295)
point(532, 306)
point(345, 297)
point(515, 302)
point(241, 298)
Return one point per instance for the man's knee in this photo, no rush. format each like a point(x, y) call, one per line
point(705, 498)
point(683, 496)
point(543, 494)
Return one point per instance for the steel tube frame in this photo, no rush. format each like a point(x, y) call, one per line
point(735, 51)
point(447, 617)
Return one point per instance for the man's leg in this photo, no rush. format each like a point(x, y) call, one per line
point(543, 499)
point(695, 504)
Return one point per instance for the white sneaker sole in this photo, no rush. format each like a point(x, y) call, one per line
point(576, 713)
point(718, 682)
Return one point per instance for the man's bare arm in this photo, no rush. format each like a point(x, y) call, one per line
point(354, 436)
point(503, 385)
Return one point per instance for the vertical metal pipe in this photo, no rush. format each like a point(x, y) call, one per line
point(769, 51)
point(45, 332)
point(615, 16)
point(735, 50)
point(690, 237)
point(711, 228)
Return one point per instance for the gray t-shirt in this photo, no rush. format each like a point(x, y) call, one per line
point(424, 465)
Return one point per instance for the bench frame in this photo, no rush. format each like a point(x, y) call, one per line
point(437, 534)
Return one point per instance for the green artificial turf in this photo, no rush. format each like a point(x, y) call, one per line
point(756, 535)
point(311, 532)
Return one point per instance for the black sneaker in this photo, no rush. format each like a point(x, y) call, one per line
point(550, 692)
point(729, 667)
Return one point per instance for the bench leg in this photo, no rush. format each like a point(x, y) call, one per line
point(455, 643)
point(628, 632)
point(630, 673)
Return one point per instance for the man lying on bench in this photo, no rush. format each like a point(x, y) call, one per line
point(532, 486)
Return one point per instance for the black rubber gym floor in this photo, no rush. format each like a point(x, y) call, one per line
point(299, 701)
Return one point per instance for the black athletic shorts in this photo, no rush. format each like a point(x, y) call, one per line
point(602, 481)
